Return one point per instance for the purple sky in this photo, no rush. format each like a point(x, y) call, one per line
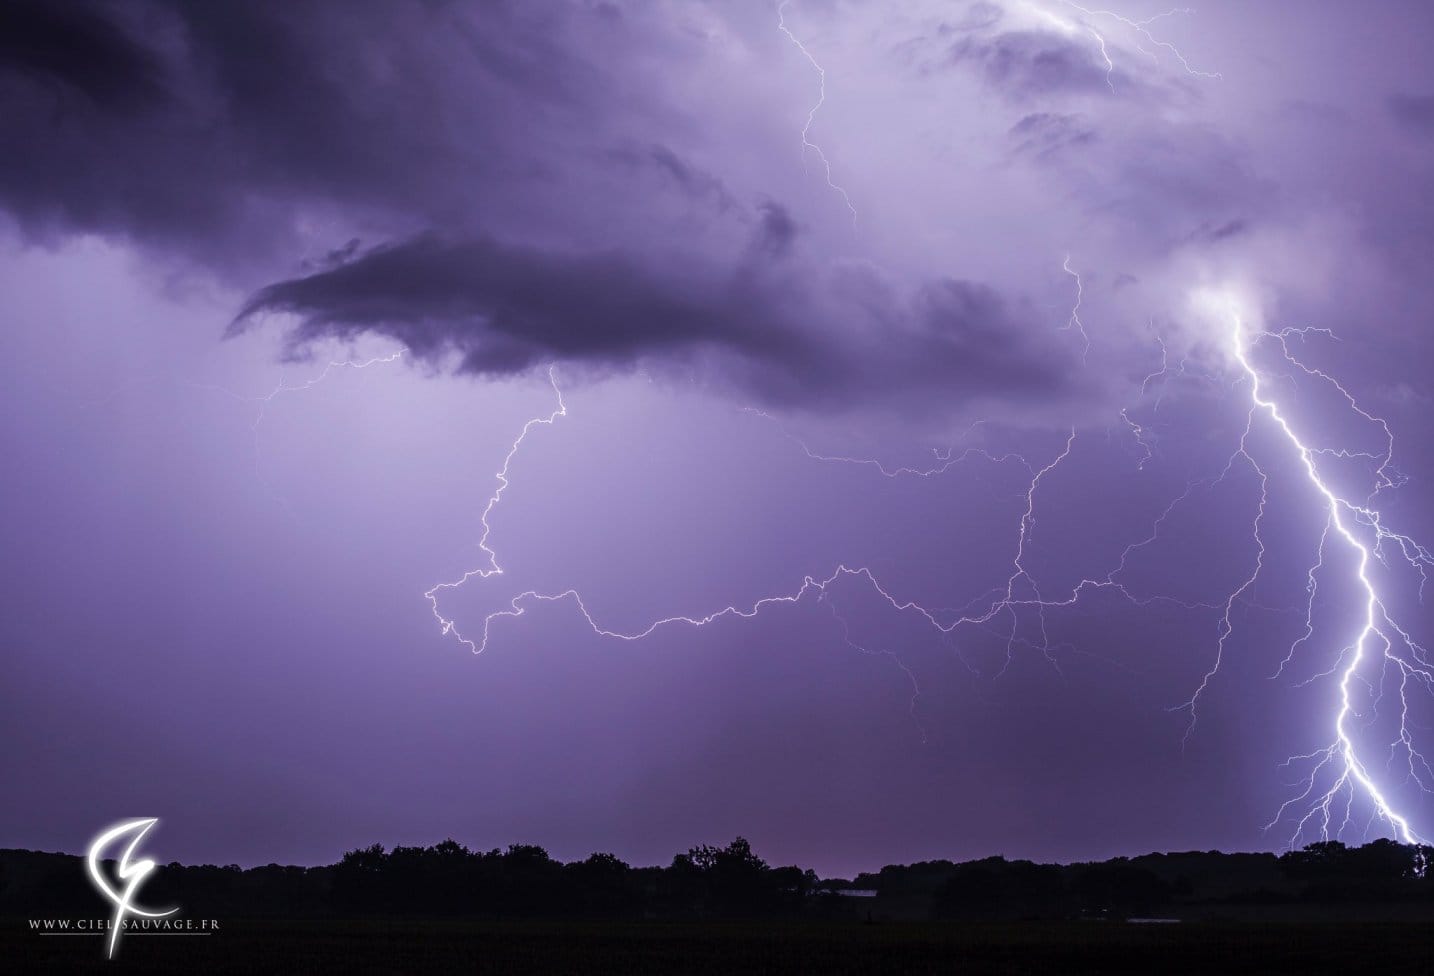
point(217, 548)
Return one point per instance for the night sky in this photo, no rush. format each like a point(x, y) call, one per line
point(921, 338)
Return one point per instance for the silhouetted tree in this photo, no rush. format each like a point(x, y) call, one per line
point(732, 881)
point(604, 885)
point(997, 888)
point(1118, 888)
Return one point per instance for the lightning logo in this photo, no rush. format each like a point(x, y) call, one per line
point(132, 873)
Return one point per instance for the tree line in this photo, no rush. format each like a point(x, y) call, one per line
point(524, 881)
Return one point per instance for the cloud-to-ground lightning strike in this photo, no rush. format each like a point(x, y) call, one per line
point(807, 144)
point(1378, 636)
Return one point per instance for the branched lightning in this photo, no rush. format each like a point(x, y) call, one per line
point(493, 569)
point(1226, 625)
point(891, 655)
point(807, 144)
point(1000, 610)
point(1105, 56)
point(1157, 374)
point(517, 605)
point(263, 402)
point(1141, 28)
point(944, 461)
point(1074, 321)
point(1311, 591)
point(1139, 432)
point(283, 387)
point(1379, 635)
point(1020, 590)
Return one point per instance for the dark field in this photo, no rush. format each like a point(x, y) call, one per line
point(413, 946)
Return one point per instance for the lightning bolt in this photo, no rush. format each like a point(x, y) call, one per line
point(912, 709)
point(1142, 30)
point(1311, 590)
point(1226, 625)
point(493, 568)
point(1074, 321)
point(283, 387)
point(1105, 56)
point(1007, 600)
point(1020, 593)
point(1138, 431)
point(944, 462)
point(807, 144)
point(1002, 610)
point(1379, 636)
point(318, 378)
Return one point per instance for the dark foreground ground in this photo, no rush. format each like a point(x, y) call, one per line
point(408, 946)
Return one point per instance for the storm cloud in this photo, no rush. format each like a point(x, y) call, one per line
point(512, 213)
point(503, 309)
point(512, 185)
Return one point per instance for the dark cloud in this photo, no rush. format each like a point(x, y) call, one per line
point(212, 128)
point(504, 309)
point(776, 230)
point(1046, 134)
point(1212, 233)
point(1028, 64)
point(516, 207)
point(967, 326)
point(1169, 187)
point(67, 50)
point(693, 181)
